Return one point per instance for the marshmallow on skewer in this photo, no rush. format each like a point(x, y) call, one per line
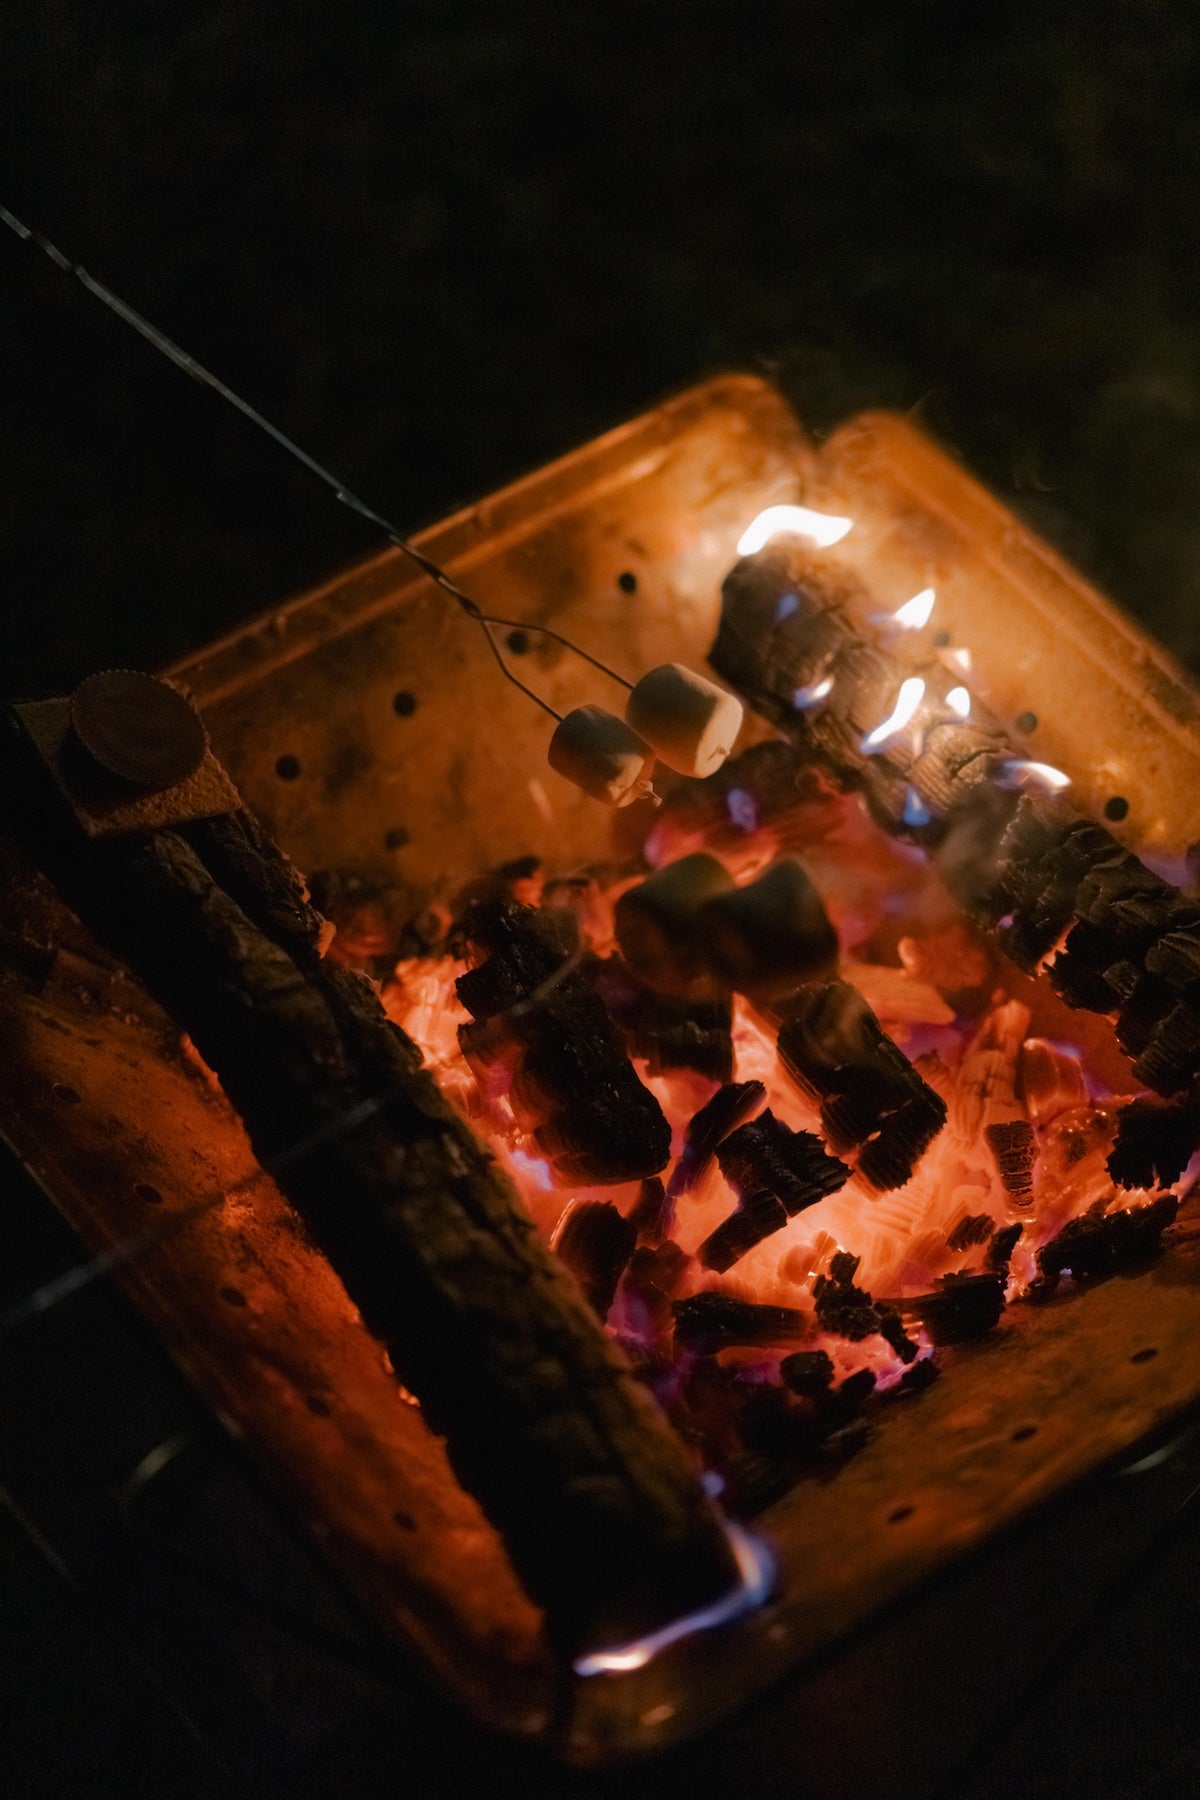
point(602, 755)
point(656, 922)
point(689, 722)
point(770, 936)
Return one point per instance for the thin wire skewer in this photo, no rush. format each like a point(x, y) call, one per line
point(341, 493)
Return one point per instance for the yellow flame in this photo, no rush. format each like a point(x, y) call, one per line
point(959, 701)
point(800, 521)
point(911, 694)
point(915, 612)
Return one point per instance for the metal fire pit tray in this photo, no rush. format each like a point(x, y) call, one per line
point(367, 725)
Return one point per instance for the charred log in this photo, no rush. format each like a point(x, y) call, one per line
point(653, 1215)
point(976, 1228)
point(596, 1499)
point(1000, 1249)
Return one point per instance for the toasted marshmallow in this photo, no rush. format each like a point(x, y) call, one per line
point(602, 755)
point(689, 722)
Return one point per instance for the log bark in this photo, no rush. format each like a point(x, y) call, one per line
point(596, 1498)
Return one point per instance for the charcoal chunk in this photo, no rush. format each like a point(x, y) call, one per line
point(807, 1372)
point(1099, 1244)
point(756, 1217)
point(962, 1307)
point(976, 1228)
point(595, 1243)
point(843, 1309)
point(601, 1125)
point(1013, 1145)
point(870, 1096)
point(1154, 1142)
point(705, 1323)
point(719, 1116)
point(792, 1165)
point(999, 1251)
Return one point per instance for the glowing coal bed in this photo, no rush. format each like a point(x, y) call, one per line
point(771, 1358)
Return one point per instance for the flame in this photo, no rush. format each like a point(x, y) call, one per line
point(805, 698)
point(915, 810)
point(822, 528)
point(756, 1578)
point(1016, 772)
point(912, 692)
point(915, 612)
point(960, 658)
point(959, 701)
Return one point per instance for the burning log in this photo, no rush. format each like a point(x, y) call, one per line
point(602, 1125)
point(544, 1422)
point(871, 1098)
point(791, 643)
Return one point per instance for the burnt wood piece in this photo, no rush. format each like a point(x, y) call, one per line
point(792, 1165)
point(776, 1173)
point(1014, 1147)
point(976, 1228)
point(808, 1373)
point(653, 1214)
point(597, 1500)
point(1099, 1244)
point(1000, 1249)
point(664, 1031)
point(1029, 869)
point(962, 1307)
point(844, 1310)
point(1155, 1142)
point(871, 1098)
point(757, 1216)
point(719, 1116)
point(600, 1125)
point(1132, 941)
point(706, 1323)
point(595, 1243)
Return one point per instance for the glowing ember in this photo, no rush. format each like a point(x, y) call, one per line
point(912, 692)
point(805, 698)
point(800, 521)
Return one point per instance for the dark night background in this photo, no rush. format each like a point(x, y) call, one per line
point(442, 243)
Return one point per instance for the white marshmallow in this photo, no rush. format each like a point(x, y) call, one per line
point(689, 722)
point(601, 755)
